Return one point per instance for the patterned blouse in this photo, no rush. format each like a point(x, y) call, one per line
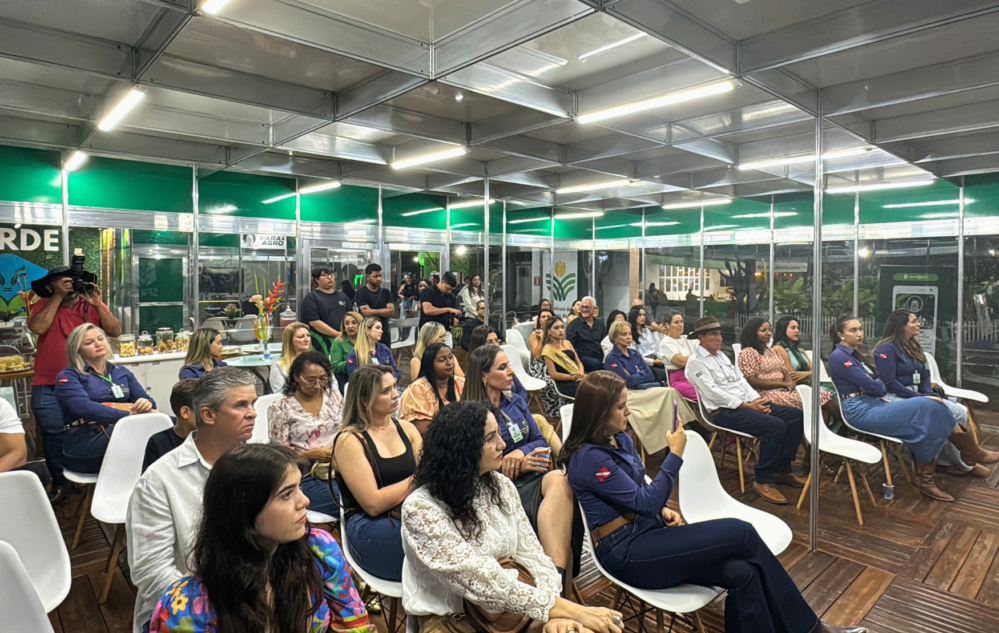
point(770, 367)
point(291, 425)
point(186, 607)
point(419, 402)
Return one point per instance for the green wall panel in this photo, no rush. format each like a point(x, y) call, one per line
point(618, 225)
point(939, 201)
point(981, 197)
point(108, 183)
point(540, 224)
point(344, 204)
point(160, 238)
point(30, 175)
point(161, 280)
point(581, 229)
point(473, 218)
point(227, 193)
point(394, 209)
point(687, 221)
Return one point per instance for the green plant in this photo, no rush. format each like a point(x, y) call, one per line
point(840, 300)
point(231, 311)
point(792, 297)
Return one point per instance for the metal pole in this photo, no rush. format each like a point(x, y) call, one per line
point(65, 217)
point(700, 291)
point(856, 254)
point(960, 285)
point(551, 271)
point(196, 247)
point(641, 273)
point(815, 415)
point(772, 274)
point(503, 322)
point(485, 273)
point(593, 259)
point(445, 262)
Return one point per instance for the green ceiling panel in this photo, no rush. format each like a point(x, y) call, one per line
point(425, 211)
point(228, 193)
point(30, 175)
point(343, 204)
point(109, 183)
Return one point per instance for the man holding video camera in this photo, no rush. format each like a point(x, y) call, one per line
point(67, 298)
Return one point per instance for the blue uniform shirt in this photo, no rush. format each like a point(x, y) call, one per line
point(80, 395)
point(382, 353)
point(633, 368)
point(898, 371)
point(517, 415)
point(850, 375)
point(610, 482)
point(197, 370)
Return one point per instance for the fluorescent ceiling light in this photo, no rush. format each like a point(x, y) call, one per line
point(410, 214)
point(658, 102)
point(804, 158)
point(778, 214)
point(721, 226)
point(124, 106)
point(912, 205)
point(75, 160)
point(600, 185)
point(711, 202)
point(905, 184)
point(278, 198)
point(612, 226)
point(769, 111)
point(429, 158)
point(469, 205)
point(211, 7)
point(525, 221)
point(225, 208)
point(579, 216)
point(458, 226)
point(604, 49)
point(323, 186)
point(648, 224)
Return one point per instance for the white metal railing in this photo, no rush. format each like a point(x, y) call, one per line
point(805, 322)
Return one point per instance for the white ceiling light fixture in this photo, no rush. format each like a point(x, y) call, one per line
point(864, 252)
point(612, 226)
point(580, 216)
point(804, 158)
point(594, 187)
point(711, 202)
point(526, 220)
point(658, 102)
point(211, 7)
point(459, 96)
point(777, 214)
point(278, 198)
point(410, 214)
point(323, 186)
point(75, 161)
point(914, 205)
point(884, 186)
point(610, 47)
point(648, 224)
point(430, 158)
point(124, 106)
point(473, 203)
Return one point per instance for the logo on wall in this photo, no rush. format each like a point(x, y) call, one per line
point(564, 282)
point(16, 274)
point(252, 240)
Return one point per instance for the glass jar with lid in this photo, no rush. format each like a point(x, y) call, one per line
point(145, 344)
point(126, 345)
point(164, 340)
point(182, 341)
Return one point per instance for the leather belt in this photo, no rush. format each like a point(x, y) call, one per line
point(609, 528)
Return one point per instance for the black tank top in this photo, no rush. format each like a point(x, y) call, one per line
point(387, 470)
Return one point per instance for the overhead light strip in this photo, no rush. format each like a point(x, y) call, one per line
point(906, 184)
point(610, 47)
point(777, 214)
point(410, 214)
point(525, 221)
point(75, 161)
point(124, 106)
point(211, 7)
point(469, 205)
point(429, 158)
point(914, 205)
point(648, 224)
point(711, 202)
point(804, 158)
point(594, 187)
point(278, 198)
point(658, 102)
point(579, 216)
point(325, 186)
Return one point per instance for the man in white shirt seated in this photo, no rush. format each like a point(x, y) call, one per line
point(733, 404)
point(164, 512)
point(13, 448)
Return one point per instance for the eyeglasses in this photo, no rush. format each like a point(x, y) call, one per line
point(312, 382)
point(331, 275)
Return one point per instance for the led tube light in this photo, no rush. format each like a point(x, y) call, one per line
point(658, 102)
point(777, 214)
point(278, 198)
point(712, 202)
point(906, 184)
point(579, 216)
point(600, 185)
point(325, 186)
point(610, 47)
point(912, 205)
point(124, 106)
point(525, 221)
point(211, 7)
point(803, 158)
point(75, 161)
point(469, 205)
point(410, 214)
point(429, 158)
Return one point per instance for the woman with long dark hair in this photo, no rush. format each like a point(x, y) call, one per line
point(645, 544)
point(923, 424)
point(787, 345)
point(343, 345)
point(561, 360)
point(256, 563)
point(902, 367)
point(436, 387)
point(534, 341)
point(306, 420)
point(471, 295)
point(463, 517)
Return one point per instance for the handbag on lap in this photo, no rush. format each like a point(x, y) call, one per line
point(504, 622)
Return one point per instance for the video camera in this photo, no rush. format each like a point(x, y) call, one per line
point(84, 282)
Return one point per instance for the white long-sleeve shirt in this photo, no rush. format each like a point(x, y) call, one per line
point(163, 518)
point(442, 568)
point(670, 347)
point(718, 384)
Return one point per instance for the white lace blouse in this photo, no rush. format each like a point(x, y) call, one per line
point(442, 568)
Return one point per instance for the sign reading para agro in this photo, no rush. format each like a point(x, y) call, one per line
point(562, 289)
point(264, 242)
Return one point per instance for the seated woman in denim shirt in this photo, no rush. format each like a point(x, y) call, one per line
point(626, 362)
point(369, 350)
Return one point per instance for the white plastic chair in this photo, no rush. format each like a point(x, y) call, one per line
point(120, 471)
point(679, 599)
point(823, 372)
point(87, 482)
point(530, 382)
point(565, 412)
point(261, 426)
point(953, 392)
point(19, 604)
point(702, 498)
point(739, 435)
point(736, 350)
point(881, 442)
point(31, 528)
point(514, 338)
point(409, 341)
point(389, 589)
point(843, 447)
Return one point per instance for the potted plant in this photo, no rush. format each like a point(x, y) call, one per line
point(265, 308)
point(231, 312)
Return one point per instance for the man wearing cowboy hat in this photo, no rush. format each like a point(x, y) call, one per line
point(56, 313)
point(733, 404)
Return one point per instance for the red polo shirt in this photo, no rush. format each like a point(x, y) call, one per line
point(50, 358)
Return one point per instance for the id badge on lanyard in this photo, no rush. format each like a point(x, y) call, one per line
point(515, 433)
point(117, 391)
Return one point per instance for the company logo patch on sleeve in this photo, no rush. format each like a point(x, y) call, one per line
point(698, 374)
point(350, 361)
point(63, 380)
point(883, 355)
point(848, 363)
point(613, 365)
point(603, 474)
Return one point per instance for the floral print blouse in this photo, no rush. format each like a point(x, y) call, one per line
point(291, 425)
point(186, 607)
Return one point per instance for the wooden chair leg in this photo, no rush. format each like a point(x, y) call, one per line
point(698, 623)
point(804, 491)
point(660, 625)
point(867, 487)
point(853, 491)
point(117, 544)
point(88, 496)
point(393, 610)
point(884, 458)
point(738, 451)
point(972, 426)
point(839, 473)
point(714, 436)
point(724, 454)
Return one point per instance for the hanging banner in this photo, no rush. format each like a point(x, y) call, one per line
point(263, 242)
point(562, 290)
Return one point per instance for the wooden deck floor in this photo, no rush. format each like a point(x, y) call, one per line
point(916, 566)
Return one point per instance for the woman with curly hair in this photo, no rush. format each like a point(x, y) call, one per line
point(306, 420)
point(463, 517)
point(256, 563)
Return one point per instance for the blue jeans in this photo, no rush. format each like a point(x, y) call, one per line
point(591, 364)
point(376, 544)
point(779, 433)
point(84, 448)
point(725, 553)
point(320, 499)
point(47, 413)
